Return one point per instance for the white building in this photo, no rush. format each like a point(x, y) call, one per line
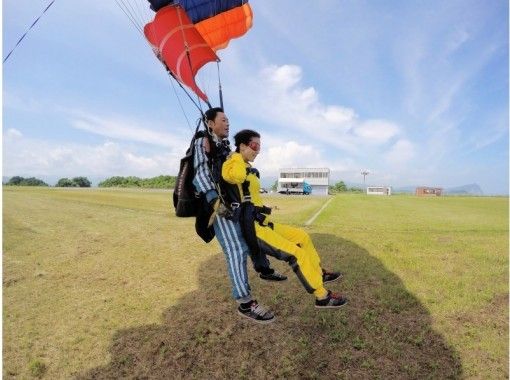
point(291, 180)
point(379, 190)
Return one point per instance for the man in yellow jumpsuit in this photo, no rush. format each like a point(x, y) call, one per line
point(284, 242)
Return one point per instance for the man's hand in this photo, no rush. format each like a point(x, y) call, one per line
point(215, 204)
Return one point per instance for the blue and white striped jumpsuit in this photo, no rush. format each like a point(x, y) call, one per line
point(229, 234)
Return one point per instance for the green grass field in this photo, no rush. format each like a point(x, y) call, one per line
point(110, 284)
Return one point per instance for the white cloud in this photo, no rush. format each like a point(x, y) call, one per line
point(438, 64)
point(306, 132)
point(377, 131)
point(14, 101)
point(277, 154)
point(13, 134)
point(339, 115)
point(39, 157)
point(288, 154)
point(127, 130)
point(278, 97)
point(456, 40)
point(285, 76)
point(400, 153)
point(496, 127)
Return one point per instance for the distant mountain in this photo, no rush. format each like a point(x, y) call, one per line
point(405, 189)
point(471, 189)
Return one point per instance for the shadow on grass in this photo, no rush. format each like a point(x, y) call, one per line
point(384, 332)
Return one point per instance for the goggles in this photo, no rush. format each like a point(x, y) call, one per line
point(255, 146)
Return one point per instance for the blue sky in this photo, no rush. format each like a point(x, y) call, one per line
point(416, 92)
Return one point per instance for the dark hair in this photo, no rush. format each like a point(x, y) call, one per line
point(244, 137)
point(211, 113)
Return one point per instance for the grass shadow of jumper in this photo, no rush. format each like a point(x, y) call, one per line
point(384, 332)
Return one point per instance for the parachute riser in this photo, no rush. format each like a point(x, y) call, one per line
point(219, 84)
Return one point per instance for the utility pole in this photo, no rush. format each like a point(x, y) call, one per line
point(364, 173)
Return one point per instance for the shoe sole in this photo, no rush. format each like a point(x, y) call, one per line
point(336, 279)
point(273, 279)
point(331, 307)
point(259, 321)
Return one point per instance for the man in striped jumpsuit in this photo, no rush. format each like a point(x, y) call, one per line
point(227, 231)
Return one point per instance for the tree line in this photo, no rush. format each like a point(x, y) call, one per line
point(62, 182)
point(159, 182)
point(341, 187)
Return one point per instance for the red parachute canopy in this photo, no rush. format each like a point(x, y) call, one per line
point(179, 45)
point(185, 47)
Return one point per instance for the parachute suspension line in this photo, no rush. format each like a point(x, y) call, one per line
point(186, 91)
point(30, 27)
point(129, 14)
point(219, 84)
point(180, 104)
point(186, 46)
point(145, 13)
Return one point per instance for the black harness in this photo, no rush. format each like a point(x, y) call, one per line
point(228, 193)
point(216, 156)
point(249, 214)
point(235, 206)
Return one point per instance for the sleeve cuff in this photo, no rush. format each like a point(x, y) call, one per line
point(210, 195)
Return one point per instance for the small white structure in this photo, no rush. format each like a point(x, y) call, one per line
point(291, 180)
point(379, 190)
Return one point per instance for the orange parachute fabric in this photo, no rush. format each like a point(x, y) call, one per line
point(220, 29)
point(185, 47)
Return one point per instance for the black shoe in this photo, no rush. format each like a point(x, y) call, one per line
point(330, 276)
point(256, 313)
point(332, 301)
point(275, 276)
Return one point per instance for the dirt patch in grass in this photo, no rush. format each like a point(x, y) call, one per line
point(384, 332)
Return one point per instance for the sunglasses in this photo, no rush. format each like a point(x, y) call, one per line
point(255, 146)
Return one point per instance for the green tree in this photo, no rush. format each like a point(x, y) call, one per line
point(20, 181)
point(159, 182)
point(81, 181)
point(32, 181)
point(274, 187)
point(15, 181)
point(66, 182)
point(111, 182)
point(340, 187)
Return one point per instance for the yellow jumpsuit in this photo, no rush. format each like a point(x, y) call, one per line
point(284, 242)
